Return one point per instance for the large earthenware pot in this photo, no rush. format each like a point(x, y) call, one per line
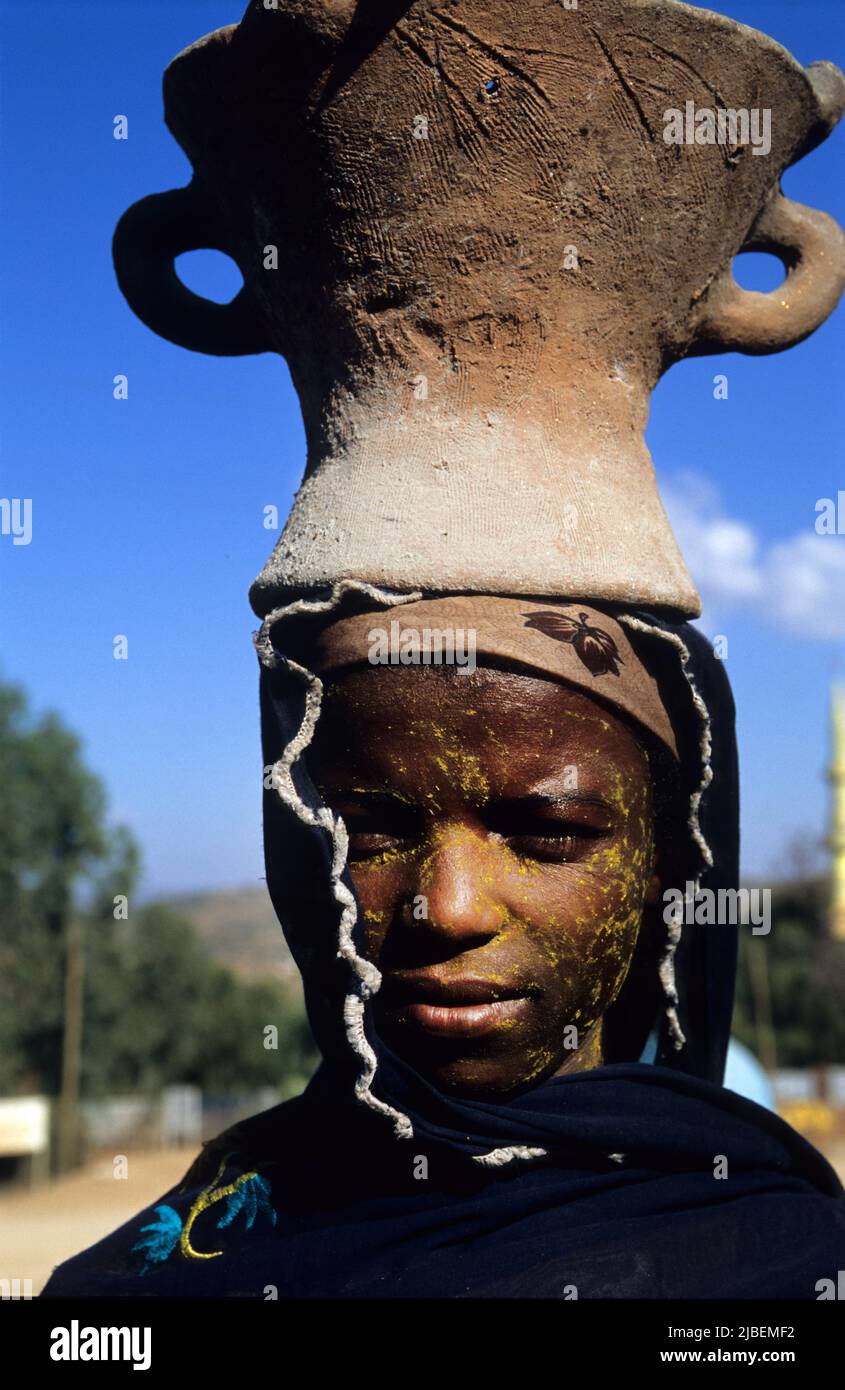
point(469, 229)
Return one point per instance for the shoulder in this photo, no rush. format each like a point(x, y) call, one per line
point(227, 1198)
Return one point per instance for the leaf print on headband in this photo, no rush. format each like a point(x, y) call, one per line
point(596, 648)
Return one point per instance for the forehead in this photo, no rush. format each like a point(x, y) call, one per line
point(517, 724)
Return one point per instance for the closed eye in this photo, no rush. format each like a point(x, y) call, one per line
point(552, 830)
point(544, 829)
point(565, 843)
point(376, 822)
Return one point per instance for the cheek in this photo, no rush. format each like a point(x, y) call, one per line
point(584, 920)
point(574, 925)
point(577, 910)
point(379, 889)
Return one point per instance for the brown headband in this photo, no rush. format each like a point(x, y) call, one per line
point(568, 640)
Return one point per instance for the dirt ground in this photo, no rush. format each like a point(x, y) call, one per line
point(41, 1227)
point(833, 1150)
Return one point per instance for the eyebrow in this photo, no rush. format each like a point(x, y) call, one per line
point(560, 800)
point(371, 797)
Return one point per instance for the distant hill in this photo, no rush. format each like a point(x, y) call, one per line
point(240, 930)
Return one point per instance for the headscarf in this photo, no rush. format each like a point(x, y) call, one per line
point(628, 1180)
point(576, 643)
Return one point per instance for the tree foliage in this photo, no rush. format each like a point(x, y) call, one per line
point(805, 971)
point(157, 1008)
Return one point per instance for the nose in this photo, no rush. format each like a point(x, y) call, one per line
point(454, 896)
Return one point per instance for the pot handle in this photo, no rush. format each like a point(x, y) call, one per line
point(812, 248)
point(147, 240)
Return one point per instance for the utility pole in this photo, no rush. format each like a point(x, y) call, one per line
point(68, 1127)
point(836, 841)
point(758, 974)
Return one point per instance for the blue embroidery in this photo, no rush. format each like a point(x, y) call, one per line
point(249, 1193)
point(162, 1238)
point(252, 1197)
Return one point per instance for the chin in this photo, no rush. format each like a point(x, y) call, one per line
point(480, 1079)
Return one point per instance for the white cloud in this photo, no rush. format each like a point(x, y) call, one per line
point(805, 583)
point(797, 583)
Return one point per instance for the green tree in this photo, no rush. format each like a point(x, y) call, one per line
point(53, 845)
point(159, 1011)
point(805, 972)
point(156, 1009)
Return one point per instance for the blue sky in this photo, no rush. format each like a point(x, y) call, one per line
point(148, 513)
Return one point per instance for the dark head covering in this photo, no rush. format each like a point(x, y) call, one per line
point(629, 1180)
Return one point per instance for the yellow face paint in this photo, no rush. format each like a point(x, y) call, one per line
point(465, 869)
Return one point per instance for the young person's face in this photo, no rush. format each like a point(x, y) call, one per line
point(501, 847)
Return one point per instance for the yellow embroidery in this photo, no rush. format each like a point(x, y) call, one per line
point(207, 1198)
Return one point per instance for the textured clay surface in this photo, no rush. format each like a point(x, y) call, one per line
point(487, 255)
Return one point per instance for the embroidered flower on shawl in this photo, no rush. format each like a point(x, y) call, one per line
point(248, 1194)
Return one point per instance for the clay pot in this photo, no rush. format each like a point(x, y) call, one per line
point(487, 255)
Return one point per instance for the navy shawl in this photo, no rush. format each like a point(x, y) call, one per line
point(628, 1181)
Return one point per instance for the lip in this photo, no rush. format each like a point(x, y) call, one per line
point(462, 1020)
point(432, 988)
point(465, 1006)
